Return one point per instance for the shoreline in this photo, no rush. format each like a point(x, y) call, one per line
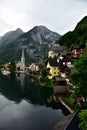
point(64, 121)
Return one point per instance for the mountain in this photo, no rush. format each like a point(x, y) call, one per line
point(36, 42)
point(9, 37)
point(77, 36)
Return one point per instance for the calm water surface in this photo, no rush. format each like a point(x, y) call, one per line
point(25, 106)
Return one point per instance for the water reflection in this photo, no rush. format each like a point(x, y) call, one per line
point(20, 87)
point(52, 101)
point(24, 103)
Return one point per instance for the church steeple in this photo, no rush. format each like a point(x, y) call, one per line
point(22, 60)
point(21, 64)
point(22, 57)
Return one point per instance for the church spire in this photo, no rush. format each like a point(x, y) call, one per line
point(22, 57)
point(22, 60)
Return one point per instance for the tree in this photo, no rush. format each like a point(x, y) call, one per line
point(48, 82)
point(43, 72)
point(80, 75)
point(83, 120)
point(12, 66)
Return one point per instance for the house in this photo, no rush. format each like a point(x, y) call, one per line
point(59, 49)
point(82, 49)
point(7, 66)
point(65, 71)
point(65, 62)
point(51, 54)
point(77, 49)
point(53, 66)
point(56, 50)
point(34, 67)
point(60, 86)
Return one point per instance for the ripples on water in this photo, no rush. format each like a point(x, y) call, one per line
point(25, 106)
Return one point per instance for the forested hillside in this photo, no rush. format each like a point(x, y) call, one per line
point(77, 36)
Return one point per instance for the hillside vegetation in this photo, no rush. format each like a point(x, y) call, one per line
point(77, 36)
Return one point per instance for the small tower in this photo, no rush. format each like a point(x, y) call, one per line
point(22, 60)
point(21, 63)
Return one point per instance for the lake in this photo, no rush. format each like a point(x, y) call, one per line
point(26, 106)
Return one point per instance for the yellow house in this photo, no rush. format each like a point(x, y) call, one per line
point(7, 66)
point(53, 66)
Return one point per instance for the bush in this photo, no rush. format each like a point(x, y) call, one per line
point(83, 119)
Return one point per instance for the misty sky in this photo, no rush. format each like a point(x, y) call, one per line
point(58, 15)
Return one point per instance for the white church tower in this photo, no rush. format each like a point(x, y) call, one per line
point(21, 64)
point(22, 60)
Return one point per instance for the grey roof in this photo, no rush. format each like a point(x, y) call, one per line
point(59, 78)
point(60, 89)
point(59, 48)
point(77, 46)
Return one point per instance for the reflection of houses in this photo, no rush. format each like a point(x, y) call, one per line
point(53, 67)
point(77, 49)
point(21, 78)
point(21, 64)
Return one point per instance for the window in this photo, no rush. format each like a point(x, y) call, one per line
point(69, 63)
point(64, 63)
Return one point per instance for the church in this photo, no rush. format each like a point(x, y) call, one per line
point(21, 64)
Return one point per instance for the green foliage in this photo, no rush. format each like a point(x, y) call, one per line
point(80, 76)
point(83, 119)
point(12, 66)
point(45, 56)
point(1, 66)
point(65, 39)
point(77, 36)
point(48, 82)
point(69, 100)
point(44, 79)
point(75, 93)
point(43, 72)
